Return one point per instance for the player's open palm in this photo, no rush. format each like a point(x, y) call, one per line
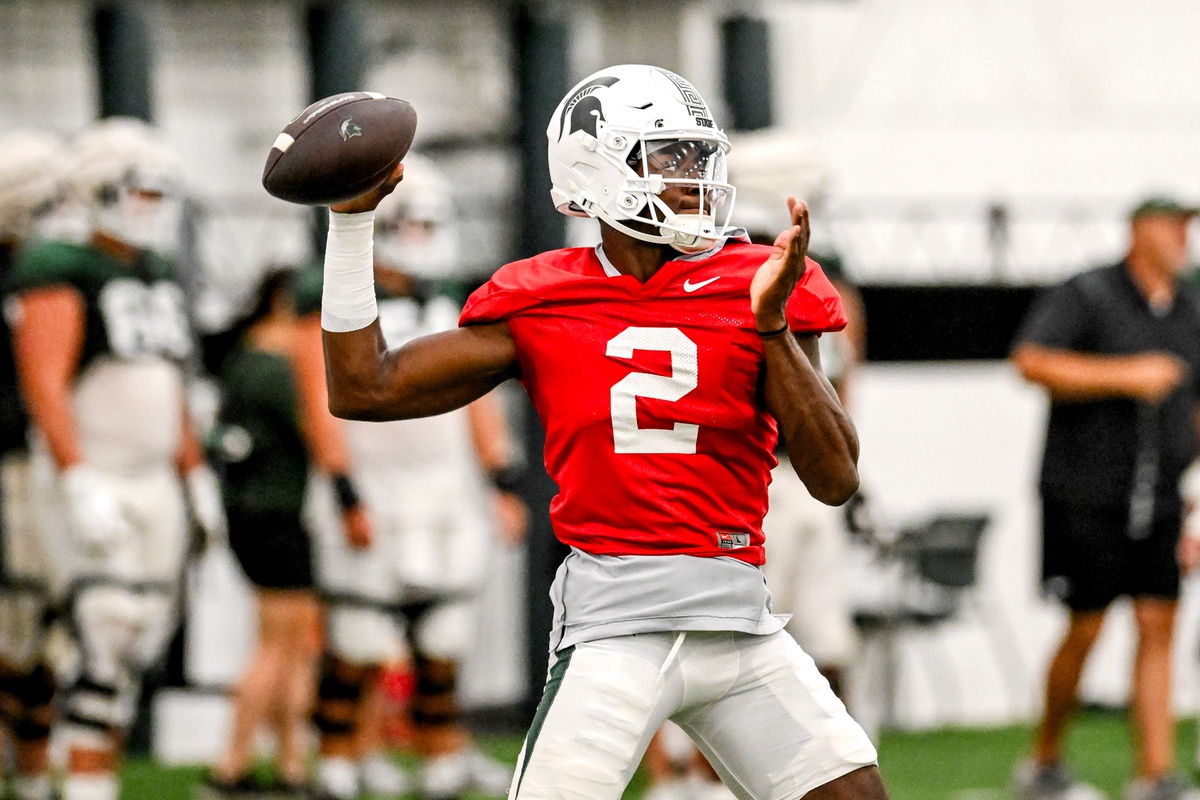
point(779, 274)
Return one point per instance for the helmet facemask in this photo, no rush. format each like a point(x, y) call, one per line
point(145, 217)
point(696, 167)
point(416, 245)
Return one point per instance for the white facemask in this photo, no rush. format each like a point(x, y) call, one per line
point(150, 224)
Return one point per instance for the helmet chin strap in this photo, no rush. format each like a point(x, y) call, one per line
point(630, 231)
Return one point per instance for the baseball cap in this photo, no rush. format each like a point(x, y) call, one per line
point(1162, 205)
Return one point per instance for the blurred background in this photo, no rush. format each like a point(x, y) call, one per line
point(957, 155)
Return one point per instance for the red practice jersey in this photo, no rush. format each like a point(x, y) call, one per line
point(656, 432)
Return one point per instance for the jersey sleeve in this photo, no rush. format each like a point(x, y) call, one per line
point(491, 302)
point(42, 266)
point(815, 306)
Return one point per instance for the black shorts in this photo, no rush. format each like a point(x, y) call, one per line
point(273, 549)
point(1089, 559)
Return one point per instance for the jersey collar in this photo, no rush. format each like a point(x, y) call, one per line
point(731, 234)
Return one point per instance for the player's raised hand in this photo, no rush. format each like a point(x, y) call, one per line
point(371, 200)
point(779, 274)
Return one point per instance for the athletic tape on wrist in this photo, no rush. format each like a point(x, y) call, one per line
point(348, 296)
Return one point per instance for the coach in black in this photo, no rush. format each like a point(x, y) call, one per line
point(1118, 349)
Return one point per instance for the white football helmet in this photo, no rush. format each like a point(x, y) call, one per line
point(130, 182)
point(416, 229)
point(32, 170)
point(623, 135)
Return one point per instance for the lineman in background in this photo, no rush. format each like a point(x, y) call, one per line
point(101, 336)
point(31, 188)
point(420, 485)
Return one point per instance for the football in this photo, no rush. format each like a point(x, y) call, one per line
point(339, 148)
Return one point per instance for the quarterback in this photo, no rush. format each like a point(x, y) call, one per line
point(663, 365)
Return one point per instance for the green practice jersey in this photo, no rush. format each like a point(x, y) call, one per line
point(128, 388)
point(132, 311)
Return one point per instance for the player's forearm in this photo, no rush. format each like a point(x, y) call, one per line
point(55, 420)
point(1074, 376)
point(821, 441)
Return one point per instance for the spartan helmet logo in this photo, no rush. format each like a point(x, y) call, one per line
point(349, 129)
point(583, 110)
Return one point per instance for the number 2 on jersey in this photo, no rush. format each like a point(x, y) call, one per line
point(627, 436)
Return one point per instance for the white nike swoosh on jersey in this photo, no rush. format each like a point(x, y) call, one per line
point(688, 286)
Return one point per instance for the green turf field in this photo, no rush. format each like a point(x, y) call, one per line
point(939, 765)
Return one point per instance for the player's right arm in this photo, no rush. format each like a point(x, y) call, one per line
point(427, 376)
point(47, 342)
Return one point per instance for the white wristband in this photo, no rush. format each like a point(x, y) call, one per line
point(348, 296)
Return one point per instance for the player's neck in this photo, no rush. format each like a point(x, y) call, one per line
point(632, 256)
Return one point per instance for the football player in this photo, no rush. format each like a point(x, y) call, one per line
point(100, 340)
point(31, 191)
point(420, 484)
point(662, 364)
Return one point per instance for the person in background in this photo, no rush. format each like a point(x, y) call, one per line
point(1118, 351)
point(32, 184)
point(422, 484)
point(265, 471)
point(101, 340)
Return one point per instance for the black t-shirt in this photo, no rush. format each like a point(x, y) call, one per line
point(1092, 446)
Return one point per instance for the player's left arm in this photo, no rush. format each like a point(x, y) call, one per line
point(821, 441)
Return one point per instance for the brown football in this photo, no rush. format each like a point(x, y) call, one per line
point(339, 148)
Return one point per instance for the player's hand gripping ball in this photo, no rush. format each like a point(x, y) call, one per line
point(339, 148)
